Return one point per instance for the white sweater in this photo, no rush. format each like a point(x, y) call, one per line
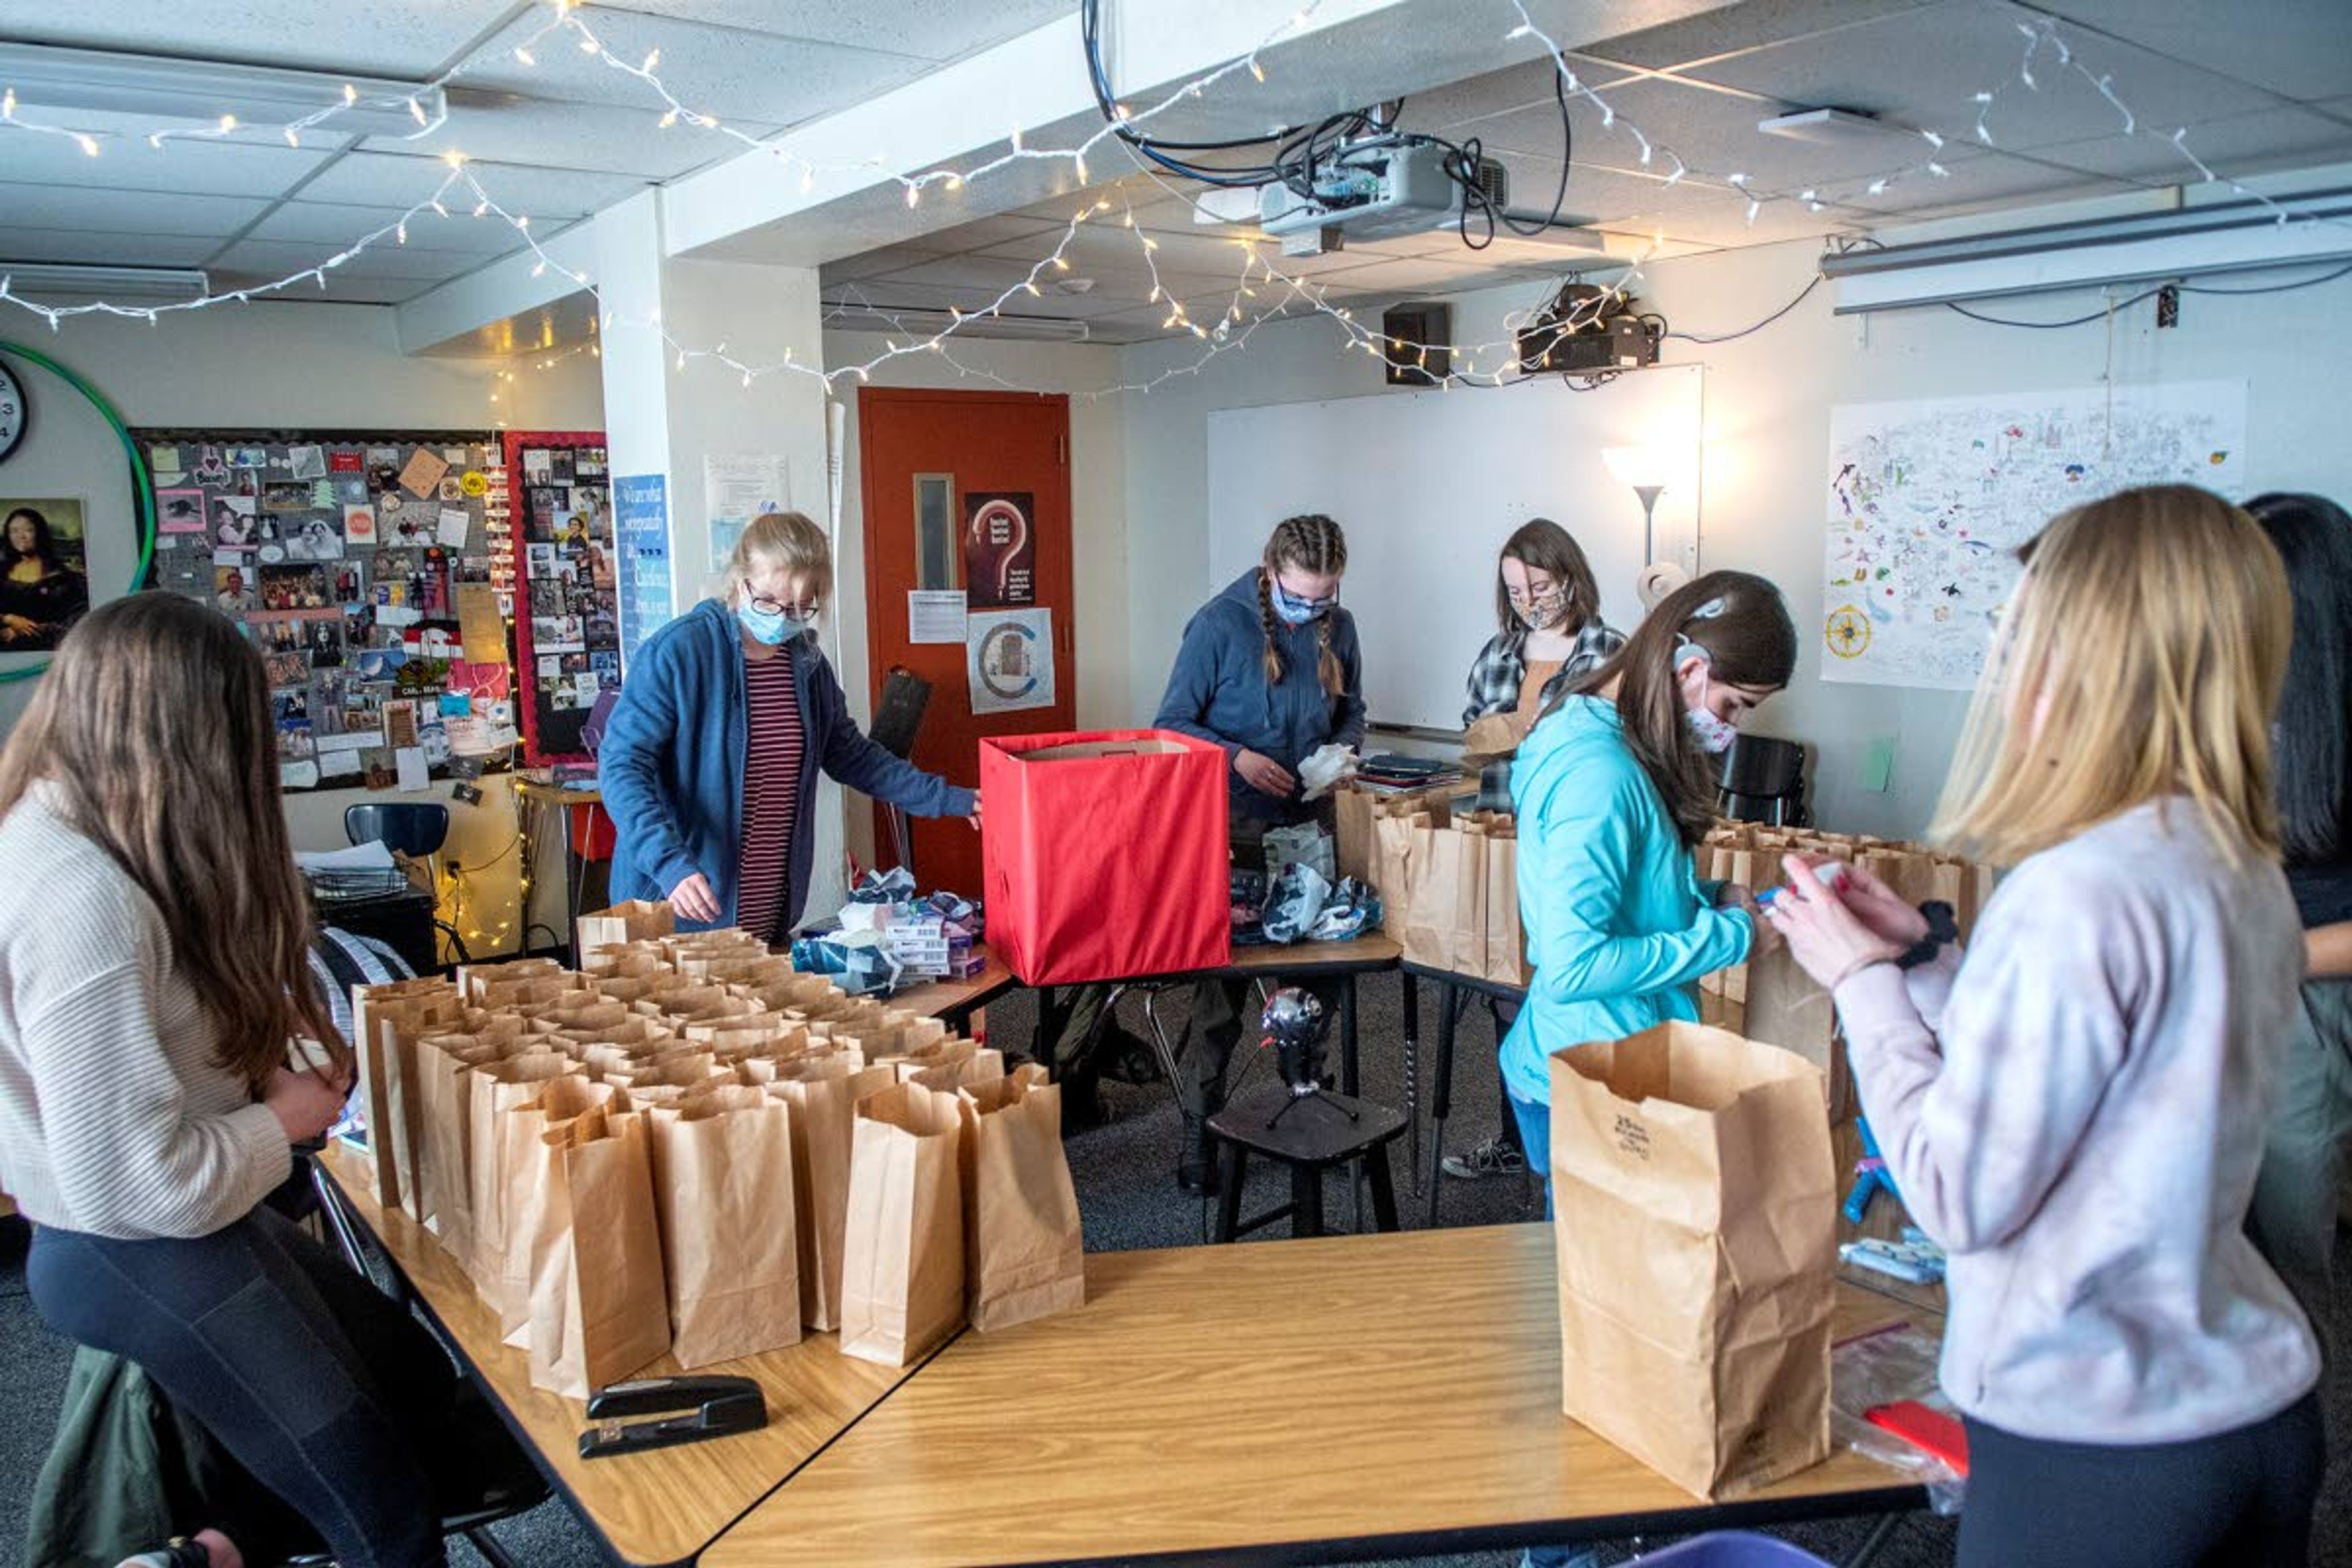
point(114, 1120)
point(2075, 1111)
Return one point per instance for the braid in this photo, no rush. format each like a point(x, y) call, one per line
point(1312, 543)
point(1266, 619)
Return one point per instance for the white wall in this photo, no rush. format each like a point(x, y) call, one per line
point(270, 366)
point(1768, 402)
point(1100, 544)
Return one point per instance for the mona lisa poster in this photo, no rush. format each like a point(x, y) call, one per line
point(44, 575)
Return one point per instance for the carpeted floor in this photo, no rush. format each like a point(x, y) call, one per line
point(1124, 1170)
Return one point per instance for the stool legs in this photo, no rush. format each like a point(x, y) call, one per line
point(1306, 1200)
point(1230, 1167)
point(1385, 1205)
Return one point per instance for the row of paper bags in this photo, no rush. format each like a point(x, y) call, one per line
point(1449, 886)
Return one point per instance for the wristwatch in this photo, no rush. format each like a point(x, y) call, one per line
point(1943, 928)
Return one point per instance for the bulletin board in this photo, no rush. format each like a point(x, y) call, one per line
point(567, 616)
point(374, 570)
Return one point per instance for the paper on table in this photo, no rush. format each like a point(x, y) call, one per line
point(408, 764)
point(373, 855)
point(935, 615)
point(423, 473)
point(457, 522)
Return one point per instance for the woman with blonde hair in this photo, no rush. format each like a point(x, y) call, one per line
point(2076, 1109)
point(155, 981)
point(710, 759)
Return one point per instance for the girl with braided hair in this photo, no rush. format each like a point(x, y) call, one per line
point(1270, 671)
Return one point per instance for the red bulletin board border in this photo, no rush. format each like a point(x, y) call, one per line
point(526, 660)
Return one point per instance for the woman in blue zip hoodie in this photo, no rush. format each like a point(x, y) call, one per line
point(1270, 671)
point(709, 761)
point(1613, 788)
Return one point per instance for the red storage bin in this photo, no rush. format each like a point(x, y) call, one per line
point(1106, 855)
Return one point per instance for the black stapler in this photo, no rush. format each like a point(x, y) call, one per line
point(715, 1405)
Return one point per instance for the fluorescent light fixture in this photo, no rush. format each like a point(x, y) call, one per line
point(200, 91)
point(59, 279)
point(861, 316)
point(2219, 237)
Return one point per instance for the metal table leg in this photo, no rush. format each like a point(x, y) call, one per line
point(1411, 988)
point(1868, 1551)
point(1441, 1092)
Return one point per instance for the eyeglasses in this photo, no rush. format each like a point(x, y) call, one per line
point(768, 606)
point(1329, 602)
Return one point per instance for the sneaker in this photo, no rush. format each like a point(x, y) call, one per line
point(1494, 1157)
point(178, 1552)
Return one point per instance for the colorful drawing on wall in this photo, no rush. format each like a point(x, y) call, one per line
point(1928, 501)
point(44, 572)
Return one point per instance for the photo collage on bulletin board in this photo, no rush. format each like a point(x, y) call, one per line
point(375, 574)
point(567, 619)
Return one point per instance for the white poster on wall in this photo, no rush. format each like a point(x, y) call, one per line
point(1009, 655)
point(738, 489)
point(1928, 500)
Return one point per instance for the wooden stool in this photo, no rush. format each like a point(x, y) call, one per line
point(1325, 1130)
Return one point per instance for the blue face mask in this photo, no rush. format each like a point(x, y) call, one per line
point(767, 626)
point(1295, 611)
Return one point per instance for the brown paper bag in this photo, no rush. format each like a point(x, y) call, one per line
point(1025, 1252)
point(632, 919)
point(443, 1063)
point(1446, 922)
point(902, 1274)
point(1784, 1008)
point(391, 1021)
point(523, 1177)
point(492, 1089)
point(1693, 1182)
point(1507, 946)
point(1494, 737)
point(824, 1092)
point(723, 1191)
point(599, 1310)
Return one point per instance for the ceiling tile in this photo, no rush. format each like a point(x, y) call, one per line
point(283, 258)
point(507, 127)
point(1924, 67)
point(932, 29)
point(331, 223)
point(405, 39)
point(124, 212)
point(1733, 29)
point(1104, 243)
point(338, 289)
point(2301, 48)
point(718, 72)
point(231, 167)
point(389, 179)
point(890, 293)
point(2243, 144)
point(1990, 180)
point(104, 249)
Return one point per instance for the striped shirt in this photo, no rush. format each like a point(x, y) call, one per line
point(114, 1119)
point(772, 791)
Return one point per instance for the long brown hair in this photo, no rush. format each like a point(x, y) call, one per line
point(153, 729)
point(1542, 545)
point(1739, 621)
point(1308, 543)
point(2143, 656)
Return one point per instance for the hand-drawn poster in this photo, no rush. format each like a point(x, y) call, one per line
point(1010, 658)
point(999, 549)
point(1929, 500)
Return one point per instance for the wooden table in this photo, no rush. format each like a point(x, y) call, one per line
point(955, 1000)
point(660, 1507)
point(1338, 1399)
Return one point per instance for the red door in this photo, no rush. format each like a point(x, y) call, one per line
point(969, 492)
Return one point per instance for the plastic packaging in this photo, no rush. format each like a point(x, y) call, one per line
point(1882, 1368)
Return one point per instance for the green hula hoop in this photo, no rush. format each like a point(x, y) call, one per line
point(142, 487)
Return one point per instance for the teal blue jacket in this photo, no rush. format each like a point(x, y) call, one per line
point(1618, 931)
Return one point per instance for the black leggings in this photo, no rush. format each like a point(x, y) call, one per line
point(322, 1388)
point(2241, 1499)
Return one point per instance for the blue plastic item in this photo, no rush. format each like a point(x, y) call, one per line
point(1731, 1548)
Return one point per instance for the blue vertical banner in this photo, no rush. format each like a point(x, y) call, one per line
point(641, 527)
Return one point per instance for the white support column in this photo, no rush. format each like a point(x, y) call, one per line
point(663, 420)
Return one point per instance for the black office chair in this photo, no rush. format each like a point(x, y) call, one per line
point(1763, 779)
point(415, 832)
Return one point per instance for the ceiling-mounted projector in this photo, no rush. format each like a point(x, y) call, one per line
point(1381, 187)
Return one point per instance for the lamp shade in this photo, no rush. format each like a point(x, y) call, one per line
point(1641, 467)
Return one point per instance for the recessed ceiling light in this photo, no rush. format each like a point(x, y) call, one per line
point(1826, 127)
point(1072, 285)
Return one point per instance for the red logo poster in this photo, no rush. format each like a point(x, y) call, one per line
point(999, 549)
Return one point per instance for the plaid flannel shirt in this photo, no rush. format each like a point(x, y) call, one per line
point(1495, 678)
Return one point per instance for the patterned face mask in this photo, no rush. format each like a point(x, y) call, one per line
point(1541, 615)
point(1714, 734)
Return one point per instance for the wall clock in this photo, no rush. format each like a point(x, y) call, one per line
point(15, 412)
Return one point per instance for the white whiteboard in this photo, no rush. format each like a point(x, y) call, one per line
point(1428, 484)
